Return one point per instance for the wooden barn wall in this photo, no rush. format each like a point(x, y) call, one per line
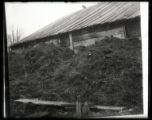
point(52, 41)
point(133, 29)
point(89, 36)
point(35, 43)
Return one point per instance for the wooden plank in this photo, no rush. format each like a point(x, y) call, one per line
point(43, 102)
point(107, 107)
point(54, 41)
point(85, 42)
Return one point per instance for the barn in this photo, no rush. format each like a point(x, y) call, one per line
point(86, 26)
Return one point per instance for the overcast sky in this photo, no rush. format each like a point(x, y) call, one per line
point(31, 16)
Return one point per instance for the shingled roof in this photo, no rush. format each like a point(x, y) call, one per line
point(103, 12)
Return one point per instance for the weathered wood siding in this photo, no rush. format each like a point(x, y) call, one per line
point(86, 42)
point(86, 38)
point(54, 41)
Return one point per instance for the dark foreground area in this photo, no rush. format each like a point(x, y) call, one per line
point(108, 73)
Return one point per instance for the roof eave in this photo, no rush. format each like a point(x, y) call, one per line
point(120, 20)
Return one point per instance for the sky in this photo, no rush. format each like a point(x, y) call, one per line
point(31, 16)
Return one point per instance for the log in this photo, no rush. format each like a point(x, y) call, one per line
point(43, 102)
point(107, 108)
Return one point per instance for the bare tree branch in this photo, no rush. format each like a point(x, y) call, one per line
point(15, 35)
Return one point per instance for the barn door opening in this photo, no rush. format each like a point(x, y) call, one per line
point(64, 39)
point(133, 29)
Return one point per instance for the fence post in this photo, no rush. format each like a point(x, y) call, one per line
point(85, 109)
point(78, 108)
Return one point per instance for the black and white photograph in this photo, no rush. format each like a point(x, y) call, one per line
point(76, 59)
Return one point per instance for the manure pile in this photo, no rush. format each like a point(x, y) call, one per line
point(107, 73)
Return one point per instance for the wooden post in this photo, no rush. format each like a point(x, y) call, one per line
point(78, 107)
point(25, 73)
point(125, 32)
point(71, 41)
point(85, 109)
